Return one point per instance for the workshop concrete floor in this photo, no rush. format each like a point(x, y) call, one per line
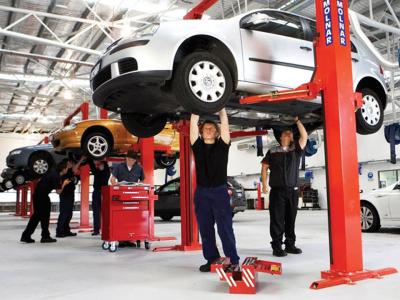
point(77, 267)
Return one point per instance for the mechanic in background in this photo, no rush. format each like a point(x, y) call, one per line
point(101, 175)
point(67, 199)
point(284, 163)
point(129, 171)
point(42, 204)
point(212, 201)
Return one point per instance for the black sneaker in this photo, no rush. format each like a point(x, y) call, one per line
point(71, 234)
point(232, 268)
point(27, 240)
point(279, 252)
point(205, 268)
point(94, 233)
point(61, 235)
point(293, 250)
point(48, 240)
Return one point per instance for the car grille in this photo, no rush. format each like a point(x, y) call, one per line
point(127, 65)
point(101, 77)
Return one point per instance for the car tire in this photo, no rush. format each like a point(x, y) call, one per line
point(142, 125)
point(40, 164)
point(7, 184)
point(369, 218)
point(369, 118)
point(96, 145)
point(166, 217)
point(18, 178)
point(207, 94)
point(163, 162)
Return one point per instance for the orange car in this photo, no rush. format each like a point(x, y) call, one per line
point(100, 138)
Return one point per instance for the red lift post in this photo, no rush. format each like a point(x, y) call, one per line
point(333, 80)
point(84, 173)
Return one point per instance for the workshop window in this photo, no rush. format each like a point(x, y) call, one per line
point(387, 178)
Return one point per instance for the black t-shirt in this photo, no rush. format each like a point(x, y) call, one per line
point(50, 181)
point(100, 176)
point(284, 165)
point(70, 187)
point(211, 162)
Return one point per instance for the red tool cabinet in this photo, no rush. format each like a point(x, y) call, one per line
point(127, 215)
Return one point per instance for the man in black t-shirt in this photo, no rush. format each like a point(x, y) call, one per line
point(42, 204)
point(212, 201)
point(101, 174)
point(67, 199)
point(283, 162)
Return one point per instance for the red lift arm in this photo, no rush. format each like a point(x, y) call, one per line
point(333, 80)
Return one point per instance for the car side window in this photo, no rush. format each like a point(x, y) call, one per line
point(275, 23)
point(172, 187)
point(313, 28)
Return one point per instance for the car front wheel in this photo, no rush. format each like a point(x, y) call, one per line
point(370, 116)
point(369, 218)
point(40, 164)
point(202, 83)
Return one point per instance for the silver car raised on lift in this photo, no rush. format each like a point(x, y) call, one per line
point(201, 66)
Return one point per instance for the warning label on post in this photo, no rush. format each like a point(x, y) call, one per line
point(328, 22)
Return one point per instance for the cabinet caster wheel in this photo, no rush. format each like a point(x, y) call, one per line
point(105, 245)
point(113, 247)
point(147, 245)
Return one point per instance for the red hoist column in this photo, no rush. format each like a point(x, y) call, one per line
point(189, 227)
point(84, 174)
point(333, 80)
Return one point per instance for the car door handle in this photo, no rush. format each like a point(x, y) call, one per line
point(305, 48)
point(354, 59)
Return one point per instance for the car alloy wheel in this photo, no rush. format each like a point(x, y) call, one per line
point(367, 218)
point(370, 110)
point(97, 146)
point(19, 179)
point(40, 166)
point(207, 82)
point(8, 184)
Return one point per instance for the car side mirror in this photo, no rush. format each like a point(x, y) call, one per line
point(255, 19)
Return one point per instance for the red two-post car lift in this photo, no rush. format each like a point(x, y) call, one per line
point(333, 81)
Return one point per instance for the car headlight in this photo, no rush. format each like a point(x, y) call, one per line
point(95, 70)
point(150, 29)
point(69, 127)
point(15, 152)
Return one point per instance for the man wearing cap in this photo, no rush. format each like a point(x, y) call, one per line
point(283, 162)
point(129, 171)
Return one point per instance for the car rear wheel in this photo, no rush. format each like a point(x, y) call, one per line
point(142, 125)
point(369, 117)
point(40, 164)
point(166, 217)
point(19, 178)
point(202, 83)
point(7, 184)
point(369, 218)
point(97, 145)
point(164, 162)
